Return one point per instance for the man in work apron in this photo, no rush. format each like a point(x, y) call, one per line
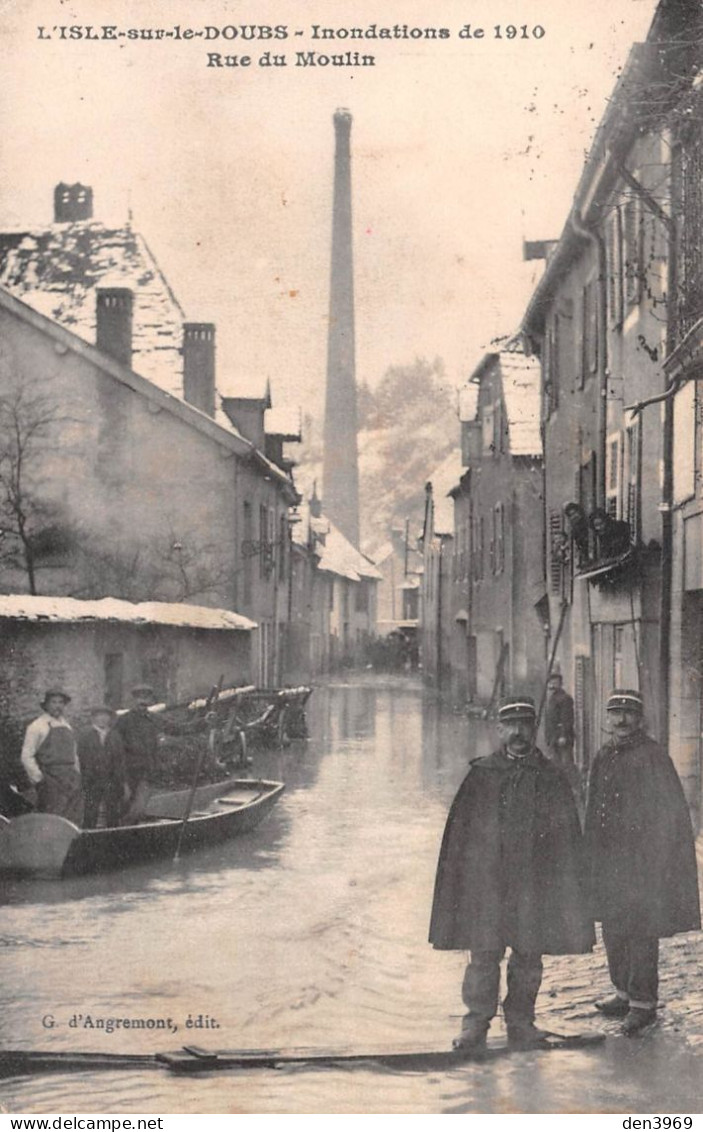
point(50, 758)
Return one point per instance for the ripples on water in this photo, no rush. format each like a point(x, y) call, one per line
point(309, 931)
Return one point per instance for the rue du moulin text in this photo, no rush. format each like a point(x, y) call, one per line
point(112, 1025)
point(261, 32)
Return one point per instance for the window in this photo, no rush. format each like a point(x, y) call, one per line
point(557, 547)
point(614, 261)
point(632, 503)
point(114, 679)
point(632, 250)
point(589, 340)
point(247, 558)
point(488, 430)
point(282, 546)
point(263, 531)
point(613, 480)
point(498, 541)
point(362, 597)
point(551, 368)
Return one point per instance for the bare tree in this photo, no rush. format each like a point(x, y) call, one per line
point(29, 522)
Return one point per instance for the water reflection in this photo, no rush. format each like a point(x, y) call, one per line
point(309, 931)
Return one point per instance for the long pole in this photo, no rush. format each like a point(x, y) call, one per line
point(211, 701)
point(550, 666)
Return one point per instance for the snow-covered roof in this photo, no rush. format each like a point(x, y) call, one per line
point(338, 556)
point(56, 270)
point(29, 607)
point(521, 377)
point(443, 480)
point(283, 420)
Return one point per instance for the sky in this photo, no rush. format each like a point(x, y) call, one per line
point(461, 148)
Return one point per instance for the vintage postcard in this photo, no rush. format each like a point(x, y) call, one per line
point(349, 434)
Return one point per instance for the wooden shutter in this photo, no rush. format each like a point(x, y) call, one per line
point(556, 565)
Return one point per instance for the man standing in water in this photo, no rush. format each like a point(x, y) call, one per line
point(50, 759)
point(510, 875)
point(642, 859)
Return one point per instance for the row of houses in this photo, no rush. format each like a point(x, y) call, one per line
point(124, 474)
point(577, 512)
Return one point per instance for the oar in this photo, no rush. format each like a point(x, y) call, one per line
point(211, 700)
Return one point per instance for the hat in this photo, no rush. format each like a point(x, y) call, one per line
point(102, 709)
point(143, 690)
point(56, 692)
point(625, 699)
point(517, 707)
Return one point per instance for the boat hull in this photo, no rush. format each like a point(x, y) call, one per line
point(48, 845)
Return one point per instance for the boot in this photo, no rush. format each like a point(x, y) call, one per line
point(614, 1007)
point(472, 1038)
point(638, 1018)
point(525, 1035)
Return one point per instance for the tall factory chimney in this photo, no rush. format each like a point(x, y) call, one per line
point(340, 469)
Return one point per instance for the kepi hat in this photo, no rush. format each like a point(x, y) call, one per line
point(625, 699)
point(517, 707)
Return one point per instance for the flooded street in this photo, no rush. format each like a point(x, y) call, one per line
point(311, 931)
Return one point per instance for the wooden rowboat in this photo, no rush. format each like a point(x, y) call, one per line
point(49, 845)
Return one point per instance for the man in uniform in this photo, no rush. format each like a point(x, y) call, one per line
point(641, 859)
point(510, 875)
point(50, 759)
point(100, 761)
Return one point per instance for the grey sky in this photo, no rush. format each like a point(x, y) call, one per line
point(460, 148)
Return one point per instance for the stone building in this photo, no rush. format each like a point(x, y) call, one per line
point(601, 323)
point(437, 596)
point(333, 596)
point(143, 484)
point(497, 622)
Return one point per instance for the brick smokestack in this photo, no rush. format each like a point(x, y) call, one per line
point(72, 203)
point(199, 365)
point(340, 474)
point(114, 323)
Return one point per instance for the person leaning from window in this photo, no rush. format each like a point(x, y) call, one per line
point(641, 857)
point(50, 758)
point(510, 874)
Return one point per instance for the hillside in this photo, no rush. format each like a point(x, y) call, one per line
point(407, 425)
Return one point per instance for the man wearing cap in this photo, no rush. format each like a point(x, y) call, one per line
point(510, 875)
point(641, 859)
point(50, 759)
point(138, 735)
point(100, 760)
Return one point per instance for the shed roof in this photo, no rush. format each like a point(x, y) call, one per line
point(39, 608)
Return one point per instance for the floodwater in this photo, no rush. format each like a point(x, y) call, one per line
point(309, 931)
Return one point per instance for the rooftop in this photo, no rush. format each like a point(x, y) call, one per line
point(72, 610)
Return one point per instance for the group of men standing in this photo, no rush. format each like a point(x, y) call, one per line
point(103, 767)
point(515, 870)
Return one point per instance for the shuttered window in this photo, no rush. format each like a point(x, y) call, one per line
point(556, 545)
point(614, 254)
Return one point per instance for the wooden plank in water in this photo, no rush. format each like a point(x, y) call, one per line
point(194, 1059)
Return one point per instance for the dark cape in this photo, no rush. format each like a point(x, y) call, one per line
point(642, 861)
point(511, 867)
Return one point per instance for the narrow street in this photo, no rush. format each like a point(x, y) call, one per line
point(311, 931)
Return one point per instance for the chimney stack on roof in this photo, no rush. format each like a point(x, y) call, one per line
point(72, 203)
point(199, 365)
point(114, 323)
